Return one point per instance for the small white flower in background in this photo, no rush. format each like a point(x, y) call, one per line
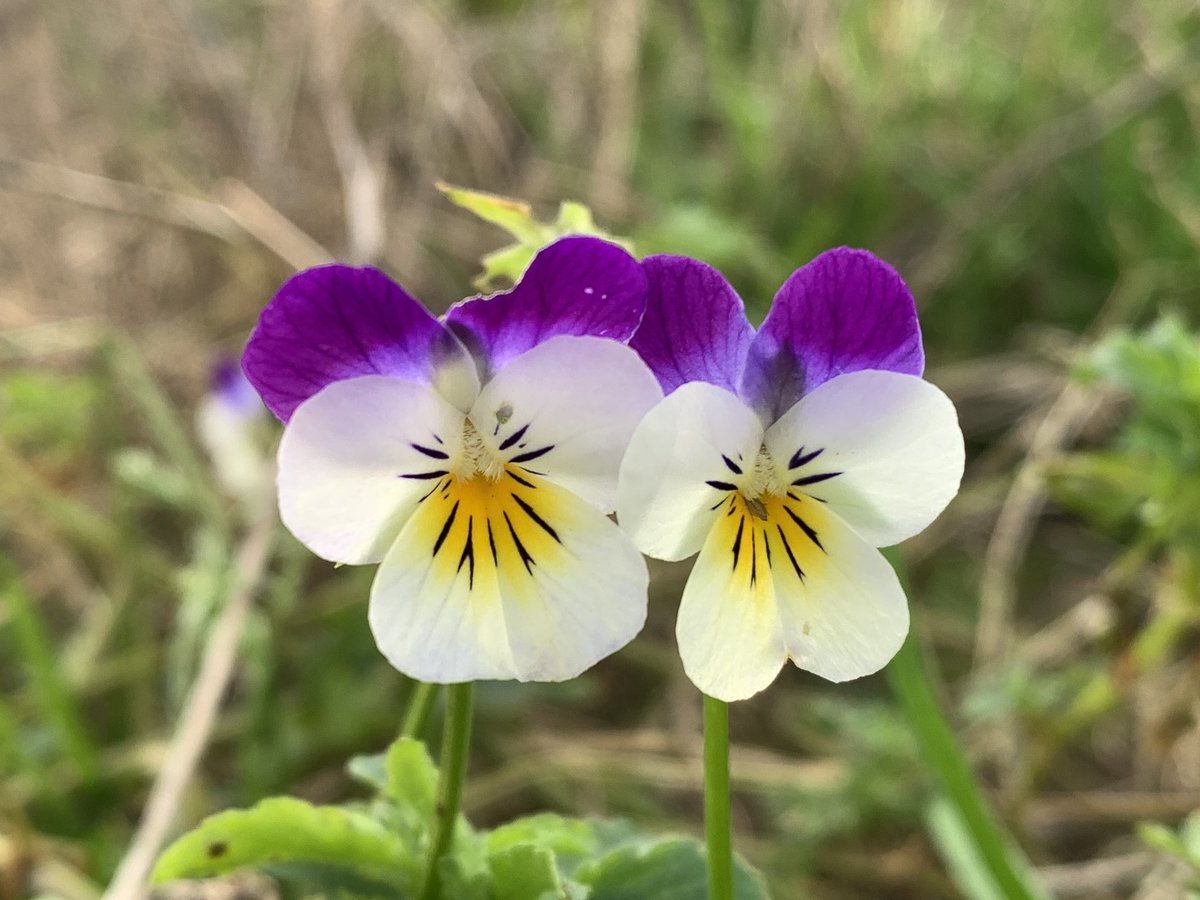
point(231, 424)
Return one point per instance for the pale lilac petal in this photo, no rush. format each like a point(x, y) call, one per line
point(685, 459)
point(695, 327)
point(882, 450)
point(846, 310)
point(336, 322)
point(576, 286)
point(358, 457)
point(565, 410)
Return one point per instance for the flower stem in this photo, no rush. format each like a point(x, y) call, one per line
point(718, 829)
point(420, 704)
point(455, 746)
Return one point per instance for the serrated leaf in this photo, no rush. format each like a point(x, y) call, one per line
point(284, 829)
point(671, 869)
point(523, 872)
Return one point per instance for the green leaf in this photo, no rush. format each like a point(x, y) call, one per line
point(961, 853)
point(671, 869)
point(998, 851)
point(283, 829)
point(370, 769)
point(412, 776)
point(508, 264)
point(513, 216)
point(570, 841)
point(525, 872)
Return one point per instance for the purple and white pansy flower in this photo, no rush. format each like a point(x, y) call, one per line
point(474, 457)
point(785, 458)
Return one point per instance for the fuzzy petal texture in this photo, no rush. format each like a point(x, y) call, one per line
point(785, 578)
point(513, 578)
point(883, 450)
point(695, 327)
point(566, 410)
point(846, 310)
point(576, 286)
point(356, 459)
point(685, 457)
point(336, 322)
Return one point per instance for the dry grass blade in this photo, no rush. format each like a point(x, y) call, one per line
point(198, 715)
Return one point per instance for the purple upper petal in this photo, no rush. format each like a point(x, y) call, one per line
point(577, 285)
point(846, 310)
point(695, 327)
point(337, 322)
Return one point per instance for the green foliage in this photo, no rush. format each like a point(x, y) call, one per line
point(1183, 845)
point(1147, 478)
point(505, 266)
point(286, 830)
point(670, 869)
point(377, 849)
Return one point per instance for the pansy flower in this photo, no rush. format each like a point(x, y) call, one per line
point(786, 457)
point(473, 457)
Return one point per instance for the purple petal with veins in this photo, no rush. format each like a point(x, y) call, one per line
point(335, 322)
point(577, 286)
point(845, 311)
point(695, 327)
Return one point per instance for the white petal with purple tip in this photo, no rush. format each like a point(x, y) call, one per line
point(357, 457)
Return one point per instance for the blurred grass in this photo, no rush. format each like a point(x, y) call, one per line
point(1020, 163)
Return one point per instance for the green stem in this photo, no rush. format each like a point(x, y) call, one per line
point(455, 748)
point(420, 704)
point(718, 830)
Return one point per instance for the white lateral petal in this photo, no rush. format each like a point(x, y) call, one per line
point(356, 458)
point(506, 579)
point(565, 410)
point(700, 435)
point(893, 441)
point(849, 615)
point(728, 629)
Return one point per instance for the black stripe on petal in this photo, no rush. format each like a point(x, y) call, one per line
point(441, 538)
point(807, 529)
point(425, 476)
point(524, 554)
point(733, 467)
point(468, 553)
point(800, 458)
point(532, 454)
point(737, 542)
point(532, 513)
point(431, 452)
point(519, 480)
point(790, 554)
point(514, 437)
point(814, 479)
point(722, 485)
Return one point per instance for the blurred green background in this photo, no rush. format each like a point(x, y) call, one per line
point(1033, 170)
